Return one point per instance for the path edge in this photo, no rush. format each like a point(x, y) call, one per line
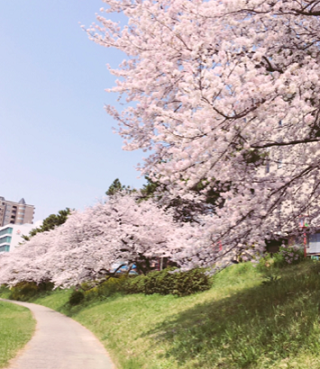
point(19, 353)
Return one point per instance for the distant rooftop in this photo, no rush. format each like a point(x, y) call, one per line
point(12, 212)
point(22, 201)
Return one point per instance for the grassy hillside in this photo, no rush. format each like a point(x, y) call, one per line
point(16, 328)
point(250, 318)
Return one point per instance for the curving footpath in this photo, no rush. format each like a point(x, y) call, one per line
point(59, 343)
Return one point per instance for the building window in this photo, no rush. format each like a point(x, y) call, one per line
point(5, 248)
point(6, 239)
point(7, 230)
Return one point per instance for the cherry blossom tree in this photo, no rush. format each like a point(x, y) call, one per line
point(88, 245)
point(27, 261)
point(225, 92)
point(118, 231)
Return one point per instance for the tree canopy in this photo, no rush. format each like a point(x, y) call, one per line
point(119, 230)
point(115, 187)
point(52, 221)
point(227, 92)
point(225, 96)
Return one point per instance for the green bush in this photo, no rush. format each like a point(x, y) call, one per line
point(168, 282)
point(134, 284)
point(286, 255)
point(4, 291)
point(76, 298)
point(164, 282)
point(278, 259)
point(25, 291)
point(268, 262)
point(190, 282)
point(105, 289)
point(292, 254)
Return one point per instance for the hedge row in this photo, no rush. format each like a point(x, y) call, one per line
point(168, 282)
point(25, 291)
point(164, 282)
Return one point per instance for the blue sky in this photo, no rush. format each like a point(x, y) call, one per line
point(57, 147)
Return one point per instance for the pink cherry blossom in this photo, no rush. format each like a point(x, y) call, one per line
point(222, 91)
point(89, 243)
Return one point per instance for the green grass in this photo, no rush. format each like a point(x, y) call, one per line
point(239, 323)
point(16, 328)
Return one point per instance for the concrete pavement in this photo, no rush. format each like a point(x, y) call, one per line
point(60, 343)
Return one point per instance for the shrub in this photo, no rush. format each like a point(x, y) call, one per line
point(187, 283)
point(135, 284)
point(169, 282)
point(163, 282)
point(266, 262)
point(286, 255)
point(24, 291)
point(292, 254)
point(4, 291)
point(76, 298)
point(105, 289)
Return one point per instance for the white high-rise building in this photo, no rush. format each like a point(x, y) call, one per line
point(11, 235)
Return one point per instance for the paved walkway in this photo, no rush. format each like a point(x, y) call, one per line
point(60, 343)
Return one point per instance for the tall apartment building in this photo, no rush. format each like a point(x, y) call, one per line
point(15, 212)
